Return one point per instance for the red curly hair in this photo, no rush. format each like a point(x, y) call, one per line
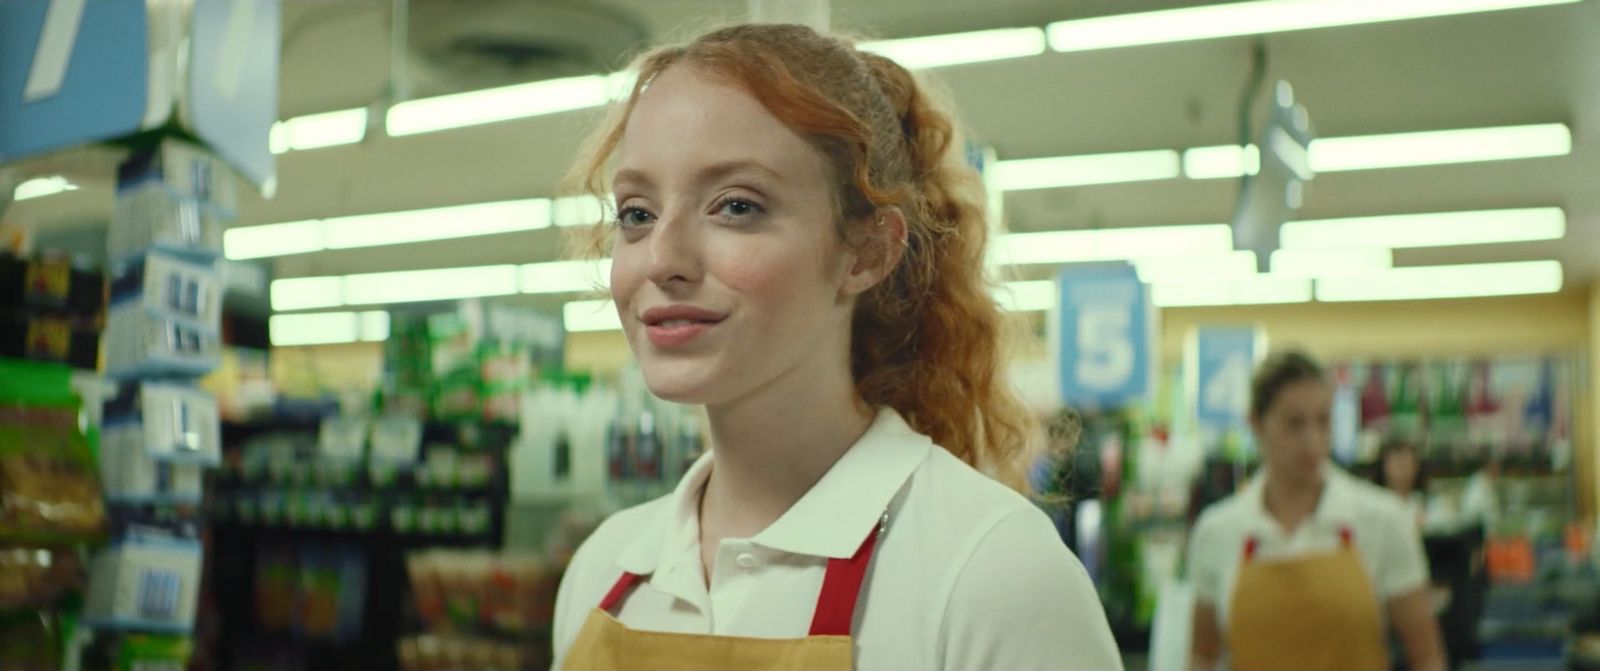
point(928, 340)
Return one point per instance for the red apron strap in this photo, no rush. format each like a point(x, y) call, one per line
point(619, 591)
point(1251, 545)
point(841, 587)
point(1346, 537)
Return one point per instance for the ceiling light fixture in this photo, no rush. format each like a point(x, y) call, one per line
point(442, 284)
point(1026, 296)
point(42, 186)
point(1253, 290)
point(459, 110)
point(1087, 169)
point(1222, 265)
point(1393, 150)
point(1330, 262)
point(440, 223)
point(1467, 145)
point(387, 228)
point(557, 277)
point(935, 51)
point(328, 328)
point(1435, 282)
point(1437, 229)
point(315, 131)
point(1256, 18)
point(583, 316)
point(307, 293)
point(1110, 244)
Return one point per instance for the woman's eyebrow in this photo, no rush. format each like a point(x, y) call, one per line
point(638, 178)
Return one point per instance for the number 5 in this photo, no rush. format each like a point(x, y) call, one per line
point(56, 40)
point(1105, 346)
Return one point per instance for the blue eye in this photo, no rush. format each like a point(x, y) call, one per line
point(633, 217)
point(738, 208)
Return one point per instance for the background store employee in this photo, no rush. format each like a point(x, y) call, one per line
point(1303, 567)
point(798, 249)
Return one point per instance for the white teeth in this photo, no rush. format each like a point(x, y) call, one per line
point(674, 323)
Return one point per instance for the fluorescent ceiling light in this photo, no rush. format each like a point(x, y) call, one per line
point(1064, 171)
point(1253, 290)
point(328, 328)
point(956, 48)
point(1221, 162)
point(461, 221)
point(387, 228)
point(1330, 262)
point(1196, 267)
point(1470, 145)
point(1431, 282)
point(579, 316)
point(307, 293)
point(1439, 229)
point(41, 187)
point(1110, 244)
point(582, 210)
point(1256, 18)
point(255, 242)
point(315, 131)
point(498, 104)
point(565, 276)
point(442, 284)
point(1030, 296)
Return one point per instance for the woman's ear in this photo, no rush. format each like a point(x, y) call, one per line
point(881, 250)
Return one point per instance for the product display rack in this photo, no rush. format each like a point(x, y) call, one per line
point(385, 605)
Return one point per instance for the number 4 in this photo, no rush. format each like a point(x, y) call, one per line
point(50, 58)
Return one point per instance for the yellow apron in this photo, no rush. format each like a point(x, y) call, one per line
point(1311, 613)
point(605, 644)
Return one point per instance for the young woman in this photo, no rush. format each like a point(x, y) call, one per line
point(797, 247)
point(1303, 568)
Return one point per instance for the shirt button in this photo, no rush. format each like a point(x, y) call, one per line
point(746, 560)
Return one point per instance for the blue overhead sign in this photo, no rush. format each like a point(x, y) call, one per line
point(1105, 335)
point(1221, 363)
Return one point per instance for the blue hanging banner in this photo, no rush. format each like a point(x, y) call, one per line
point(1105, 337)
point(232, 92)
point(1221, 362)
point(72, 72)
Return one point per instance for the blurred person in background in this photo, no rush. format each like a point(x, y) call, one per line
point(798, 246)
point(1303, 568)
point(1401, 471)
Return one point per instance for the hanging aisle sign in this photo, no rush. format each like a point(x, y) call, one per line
point(1221, 362)
point(1104, 334)
point(72, 72)
point(80, 72)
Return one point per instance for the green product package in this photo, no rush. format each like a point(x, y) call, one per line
point(148, 652)
point(49, 483)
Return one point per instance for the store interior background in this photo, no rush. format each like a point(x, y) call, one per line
point(1518, 67)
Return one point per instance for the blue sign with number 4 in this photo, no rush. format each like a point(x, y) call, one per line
point(1104, 335)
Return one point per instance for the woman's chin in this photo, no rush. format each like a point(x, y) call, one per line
point(676, 384)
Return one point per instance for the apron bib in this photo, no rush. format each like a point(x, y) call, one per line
point(605, 644)
point(1311, 613)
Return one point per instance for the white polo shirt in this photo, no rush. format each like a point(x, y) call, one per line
point(968, 574)
point(1384, 532)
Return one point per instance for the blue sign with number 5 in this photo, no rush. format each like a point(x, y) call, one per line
point(71, 72)
point(1104, 337)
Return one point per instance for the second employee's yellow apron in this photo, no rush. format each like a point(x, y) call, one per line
point(1307, 613)
point(605, 644)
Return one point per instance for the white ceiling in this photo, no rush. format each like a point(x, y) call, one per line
point(1518, 67)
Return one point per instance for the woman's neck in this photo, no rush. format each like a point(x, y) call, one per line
point(770, 447)
point(1291, 503)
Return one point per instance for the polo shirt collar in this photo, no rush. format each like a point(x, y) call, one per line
point(831, 520)
point(1333, 508)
